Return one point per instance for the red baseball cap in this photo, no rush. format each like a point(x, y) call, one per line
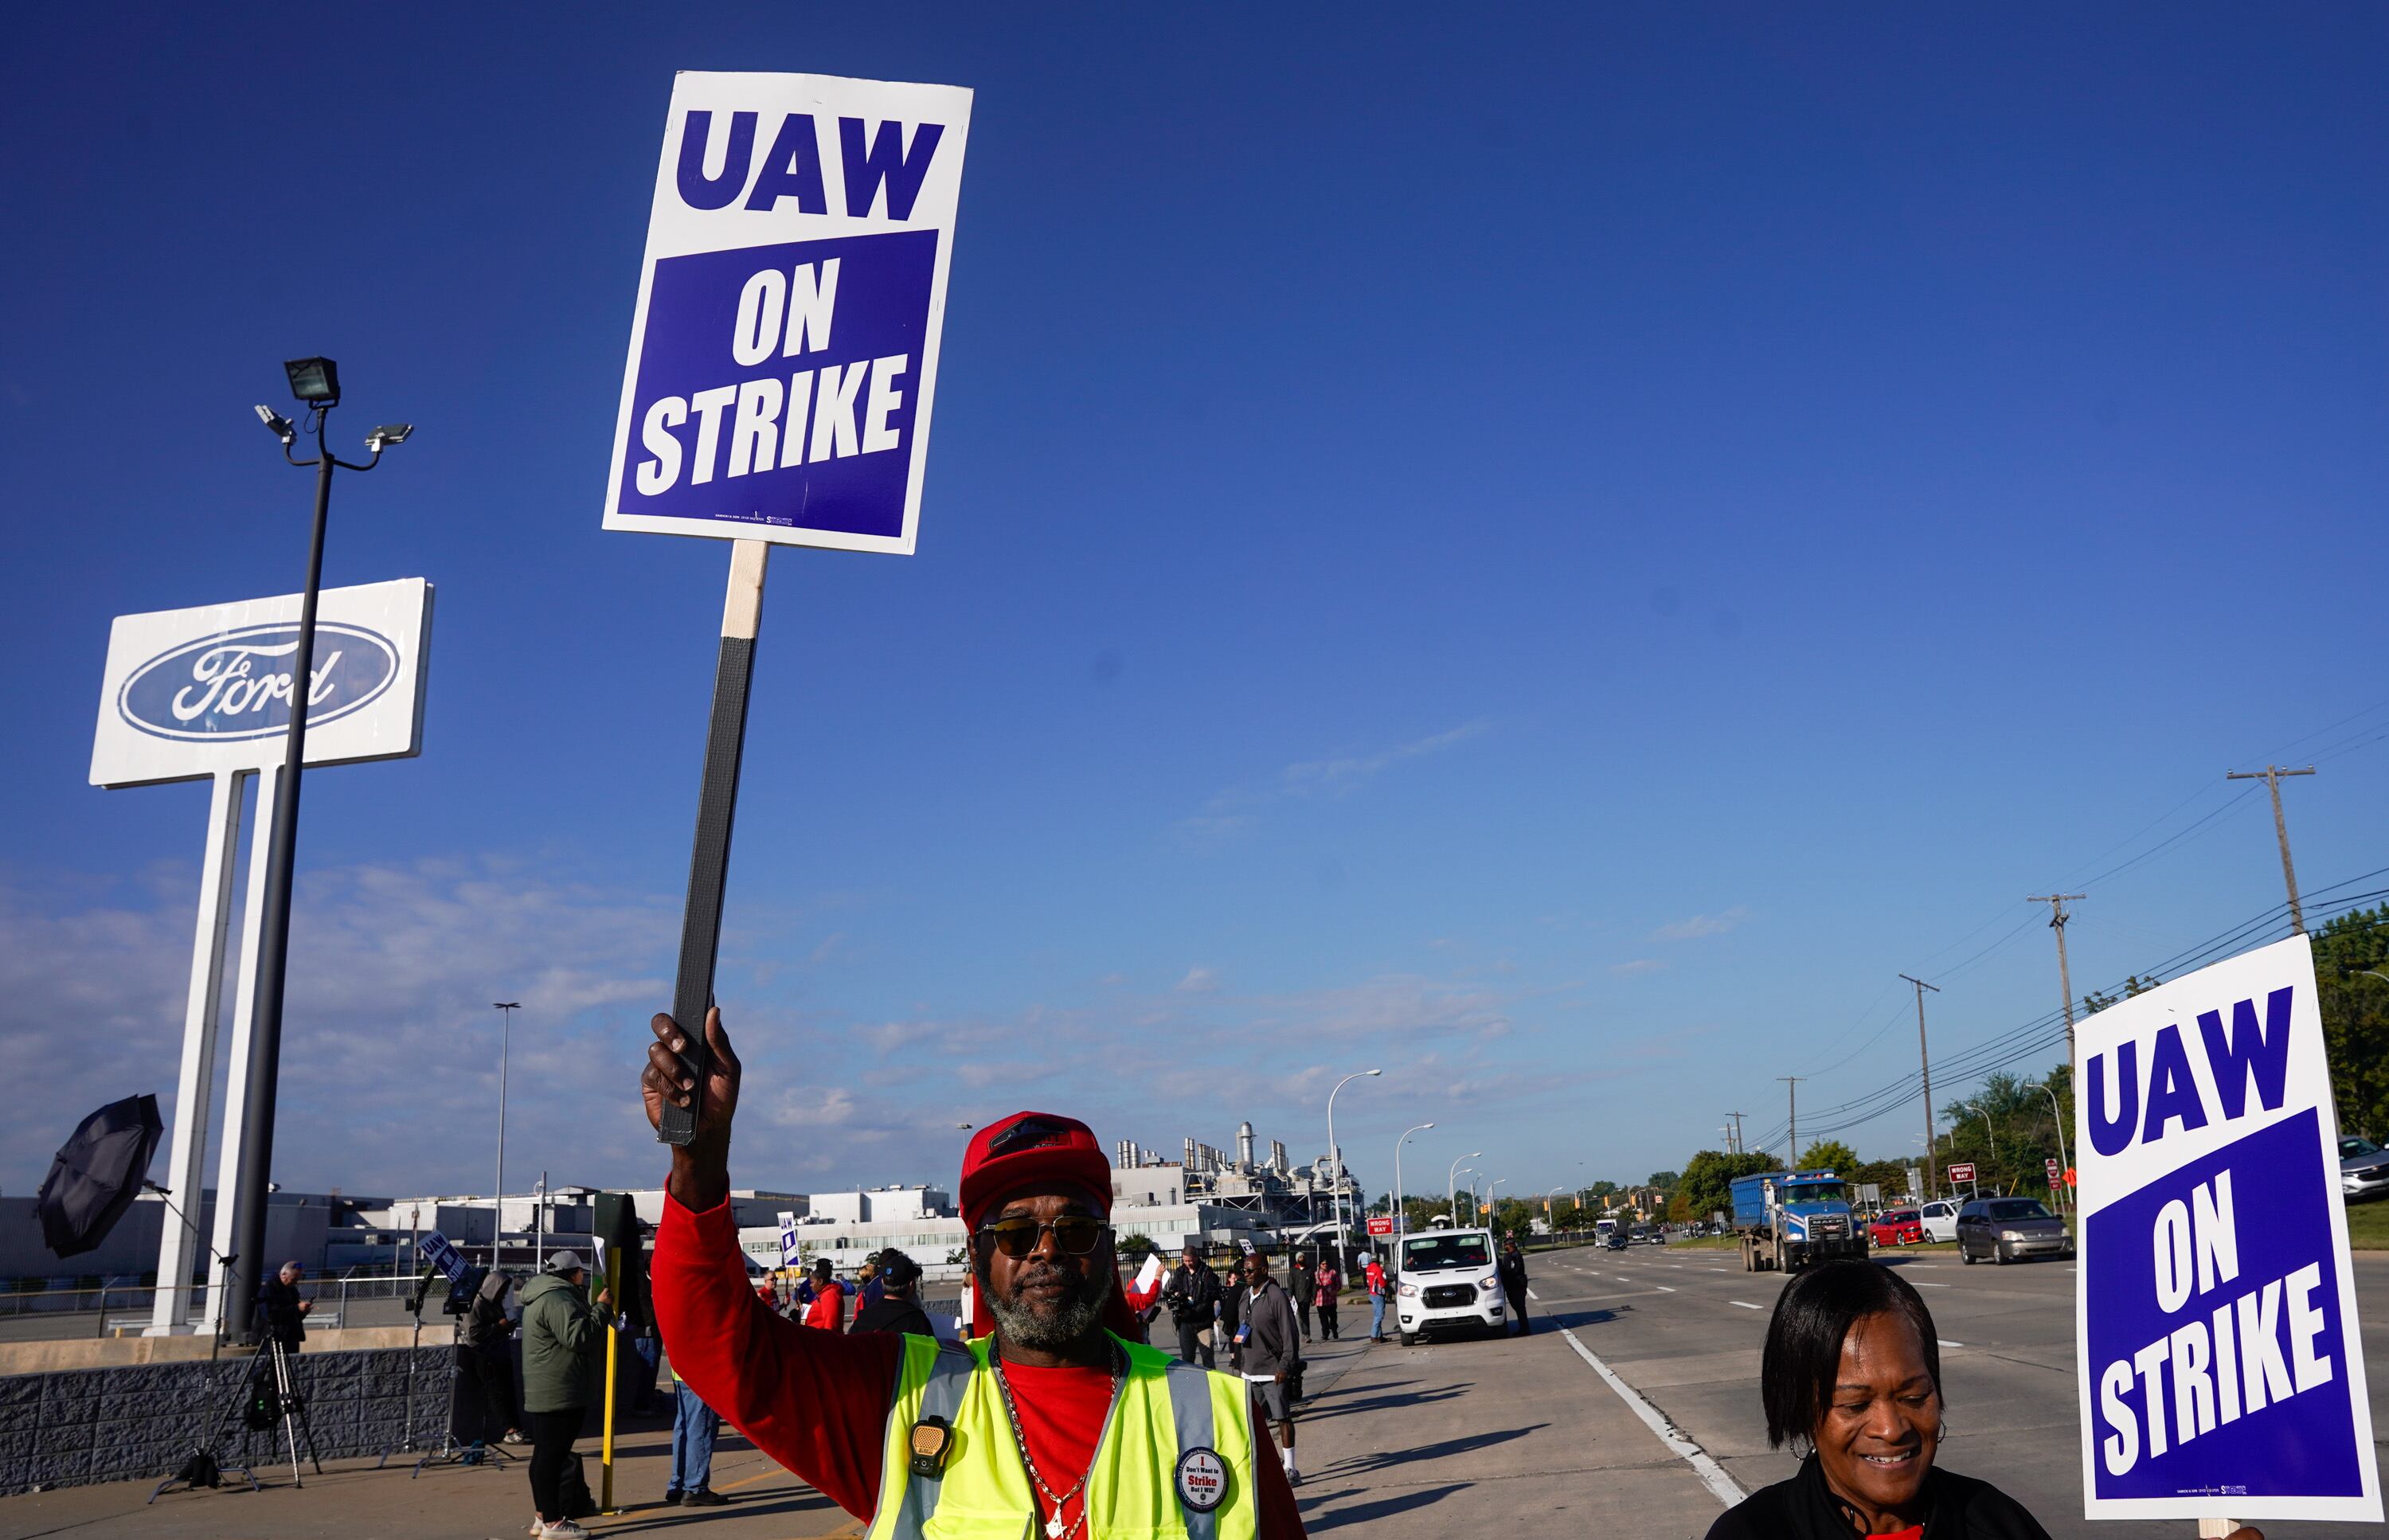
point(1030, 1149)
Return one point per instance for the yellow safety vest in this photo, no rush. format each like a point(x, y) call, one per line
point(1168, 1416)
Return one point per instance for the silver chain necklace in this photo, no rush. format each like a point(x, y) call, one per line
point(1054, 1527)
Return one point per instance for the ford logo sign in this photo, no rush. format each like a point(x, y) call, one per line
point(236, 684)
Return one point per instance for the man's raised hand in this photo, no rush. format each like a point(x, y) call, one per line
point(701, 1175)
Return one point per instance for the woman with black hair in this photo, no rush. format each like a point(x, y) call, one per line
point(1852, 1375)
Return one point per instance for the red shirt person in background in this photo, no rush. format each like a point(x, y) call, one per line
point(817, 1401)
point(827, 1311)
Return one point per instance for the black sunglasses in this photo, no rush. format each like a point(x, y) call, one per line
point(1076, 1234)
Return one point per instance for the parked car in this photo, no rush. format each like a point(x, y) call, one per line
point(1450, 1282)
point(1939, 1219)
point(2363, 1168)
point(2006, 1229)
point(1897, 1227)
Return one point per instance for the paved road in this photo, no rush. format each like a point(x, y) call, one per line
point(1684, 1328)
point(1406, 1444)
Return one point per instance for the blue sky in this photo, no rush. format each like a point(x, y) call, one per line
point(1553, 554)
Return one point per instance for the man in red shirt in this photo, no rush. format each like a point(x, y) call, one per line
point(1036, 1193)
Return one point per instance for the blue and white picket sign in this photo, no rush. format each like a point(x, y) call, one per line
point(2221, 1367)
point(437, 1253)
point(784, 355)
point(791, 1249)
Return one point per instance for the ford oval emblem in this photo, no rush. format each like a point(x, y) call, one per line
point(236, 684)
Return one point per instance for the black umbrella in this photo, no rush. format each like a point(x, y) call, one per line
point(98, 1173)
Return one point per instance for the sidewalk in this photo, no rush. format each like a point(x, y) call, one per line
point(453, 1502)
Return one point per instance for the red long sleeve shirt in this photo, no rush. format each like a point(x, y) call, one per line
point(817, 1401)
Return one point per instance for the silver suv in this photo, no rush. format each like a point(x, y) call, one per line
point(2363, 1168)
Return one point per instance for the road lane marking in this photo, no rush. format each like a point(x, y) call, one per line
point(1663, 1287)
point(1532, 1295)
point(1947, 1343)
point(1720, 1269)
point(1746, 1304)
point(1721, 1486)
point(1923, 1284)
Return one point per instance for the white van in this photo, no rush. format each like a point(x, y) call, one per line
point(1449, 1282)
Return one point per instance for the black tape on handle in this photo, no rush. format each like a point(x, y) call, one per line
point(709, 871)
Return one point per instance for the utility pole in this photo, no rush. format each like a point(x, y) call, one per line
point(1924, 1063)
point(2057, 918)
point(1734, 1135)
point(1792, 1084)
point(2271, 776)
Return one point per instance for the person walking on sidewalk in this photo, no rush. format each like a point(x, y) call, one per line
point(1056, 1415)
point(562, 1335)
point(1191, 1291)
point(1372, 1273)
point(694, 1427)
point(1329, 1285)
point(1269, 1353)
point(1301, 1287)
point(1512, 1271)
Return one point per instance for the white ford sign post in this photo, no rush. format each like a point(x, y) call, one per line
point(784, 358)
point(2220, 1364)
point(206, 692)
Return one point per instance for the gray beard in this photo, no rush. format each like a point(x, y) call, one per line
point(1024, 1327)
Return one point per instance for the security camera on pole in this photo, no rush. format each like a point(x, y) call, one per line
point(784, 356)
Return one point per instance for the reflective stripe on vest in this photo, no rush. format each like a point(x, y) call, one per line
point(1132, 1493)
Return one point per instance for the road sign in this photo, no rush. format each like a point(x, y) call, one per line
point(1961, 1171)
point(1381, 1224)
point(192, 693)
point(784, 354)
point(2051, 1163)
point(2219, 1362)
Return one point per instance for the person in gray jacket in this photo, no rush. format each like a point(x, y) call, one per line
point(1267, 1353)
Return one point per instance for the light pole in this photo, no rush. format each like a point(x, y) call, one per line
point(1398, 1226)
point(1451, 1183)
point(506, 1008)
point(2063, 1160)
point(1336, 1167)
point(1469, 1171)
point(315, 383)
point(1488, 1199)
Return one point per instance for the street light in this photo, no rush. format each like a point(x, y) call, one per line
point(506, 1008)
point(1451, 1181)
point(1468, 1171)
point(1488, 1199)
point(1398, 1226)
point(316, 383)
point(1336, 1164)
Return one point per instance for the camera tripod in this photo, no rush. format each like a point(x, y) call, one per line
point(262, 1396)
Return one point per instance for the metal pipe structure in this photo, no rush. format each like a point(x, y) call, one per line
point(1336, 1167)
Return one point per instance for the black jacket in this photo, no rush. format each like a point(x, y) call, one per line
point(1956, 1507)
point(889, 1313)
point(1513, 1268)
point(1193, 1295)
point(278, 1303)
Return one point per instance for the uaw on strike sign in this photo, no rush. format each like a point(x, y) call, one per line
point(2222, 1373)
point(785, 350)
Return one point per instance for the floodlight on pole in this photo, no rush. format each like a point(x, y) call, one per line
point(276, 424)
point(317, 382)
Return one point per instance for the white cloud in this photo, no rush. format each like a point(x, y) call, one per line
point(1639, 965)
point(1199, 980)
point(1694, 927)
point(1228, 813)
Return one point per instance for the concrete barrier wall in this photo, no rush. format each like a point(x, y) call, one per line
point(74, 1427)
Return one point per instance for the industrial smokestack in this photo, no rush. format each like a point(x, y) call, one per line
point(1244, 1142)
